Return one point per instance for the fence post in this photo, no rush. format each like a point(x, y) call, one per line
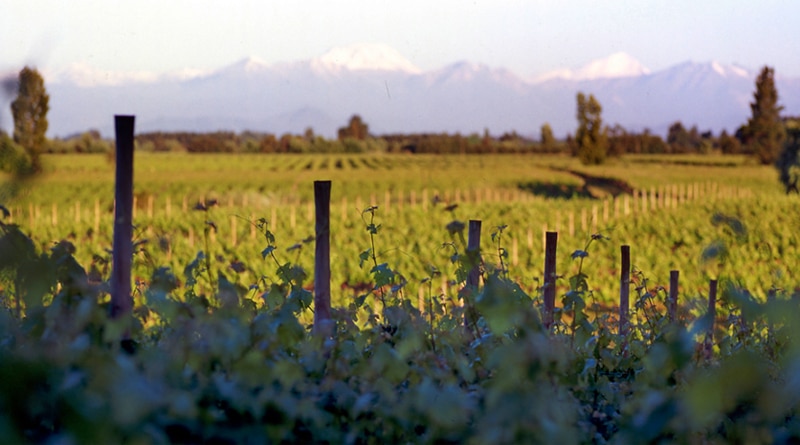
point(550, 248)
point(322, 259)
point(672, 304)
point(121, 300)
point(474, 274)
point(624, 289)
point(712, 314)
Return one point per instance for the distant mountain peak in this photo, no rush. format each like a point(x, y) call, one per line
point(366, 56)
point(619, 64)
point(84, 75)
point(729, 70)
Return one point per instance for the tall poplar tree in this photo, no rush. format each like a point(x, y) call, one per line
point(548, 141)
point(591, 138)
point(765, 132)
point(29, 110)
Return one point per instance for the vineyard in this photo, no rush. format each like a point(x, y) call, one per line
point(666, 207)
point(435, 341)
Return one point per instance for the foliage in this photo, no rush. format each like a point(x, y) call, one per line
point(765, 132)
point(239, 363)
point(729, 144)
point(355, 129)
point(622, 141)
point(29, 110)
point(591, 138)
point(788, 163)
point(548, 141)
point(682, 140)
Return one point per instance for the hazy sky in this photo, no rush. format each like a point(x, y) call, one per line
point(529, 37)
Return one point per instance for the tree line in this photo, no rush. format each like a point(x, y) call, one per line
point(767, 136)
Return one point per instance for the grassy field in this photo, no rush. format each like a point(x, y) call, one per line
point(528, 194)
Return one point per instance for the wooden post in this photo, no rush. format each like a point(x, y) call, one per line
point(558, 224)
point(474, 274)
point(77, 211)
point(644, 200)
point(624, 289)
point(55, 215)
point(530, 236)
point(672, 303)
point(571, 225)
point(233, 231)
point(121, 300)
point(550, 249)
point(514, 252)
point(96, 216)
point(322, 259)
point(712, 314)
point(584, 225)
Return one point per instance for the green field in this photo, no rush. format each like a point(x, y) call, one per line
point(223, 347)
point(528, 194)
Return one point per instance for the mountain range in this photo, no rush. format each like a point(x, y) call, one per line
point(392, 95)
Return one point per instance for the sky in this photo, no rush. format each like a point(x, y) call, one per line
point(528, 37)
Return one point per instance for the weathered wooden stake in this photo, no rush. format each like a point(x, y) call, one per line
point(121, 301)
point(550, 248)
point(233, 231)
point(672, 303)
point(322, 259)
point(624, 288)
point(96, 216)
point(474, 274)
point(712, 314)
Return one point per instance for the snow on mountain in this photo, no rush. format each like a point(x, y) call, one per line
point(84, 75)
point(366, 57)
point(730, 70)
point(393, 95)
point(614, 66)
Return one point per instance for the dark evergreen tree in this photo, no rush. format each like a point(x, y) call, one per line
point(765, 132)
point(29, 110)
point(728, 144)
point(788, 163)
point(591, 139)
point(548, 141)
point(356, 129)
point(678, 138)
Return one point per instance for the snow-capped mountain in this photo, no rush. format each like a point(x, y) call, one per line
point(393, 95)
point(366, 57)
point(616, 65)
